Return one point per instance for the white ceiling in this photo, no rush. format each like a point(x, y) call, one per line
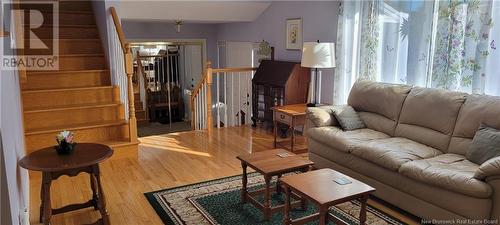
point(191, 11)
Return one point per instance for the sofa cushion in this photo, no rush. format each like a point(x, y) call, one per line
point(321, 116)
point(434, 109)
point(391, 153)
point(381, 98)
point(343, 140)
point(348, 118)
point(378, 122)
point(485, 145)
point(477, 110)
point(423, 135)
point(449, 171)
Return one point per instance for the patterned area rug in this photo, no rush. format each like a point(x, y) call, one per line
point(218, 202)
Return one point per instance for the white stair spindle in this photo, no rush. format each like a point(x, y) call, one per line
point(232, 99)
point(239, 100)
point(217, 101)
point(200, 106)
point(225, 100)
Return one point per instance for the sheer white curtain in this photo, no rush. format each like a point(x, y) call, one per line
point(442, 44)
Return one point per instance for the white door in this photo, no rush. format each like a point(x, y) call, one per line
point(239, 85)
point(191, 59)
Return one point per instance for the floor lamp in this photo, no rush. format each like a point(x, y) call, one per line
point(317, 55)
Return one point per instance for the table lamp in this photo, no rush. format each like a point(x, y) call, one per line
point(317, 55)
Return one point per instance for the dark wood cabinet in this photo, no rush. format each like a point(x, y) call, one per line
point(277, 83)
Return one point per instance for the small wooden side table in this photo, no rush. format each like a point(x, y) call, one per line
point(291, 115)
point(269, 163)
point(85, 158)
point(319, 187)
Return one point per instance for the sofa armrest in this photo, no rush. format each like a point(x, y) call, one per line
point(321, 116)
point(494, 182)
point(488, 169)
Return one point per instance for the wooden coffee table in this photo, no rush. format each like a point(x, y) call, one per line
point(320, 188)
point(269, 164)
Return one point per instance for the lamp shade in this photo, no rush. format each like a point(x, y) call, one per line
point(318, 55)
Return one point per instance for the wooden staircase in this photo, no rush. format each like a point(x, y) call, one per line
point(140, 112)
point(79, 96)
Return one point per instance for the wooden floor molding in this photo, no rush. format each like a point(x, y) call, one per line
point(162, 161)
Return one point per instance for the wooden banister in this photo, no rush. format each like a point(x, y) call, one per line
point(119, 29)
point(129, 72)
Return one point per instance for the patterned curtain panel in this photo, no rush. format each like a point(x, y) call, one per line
point(442, 44)
point(465, 47)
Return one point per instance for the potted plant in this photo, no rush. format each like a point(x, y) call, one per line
point(65, 143)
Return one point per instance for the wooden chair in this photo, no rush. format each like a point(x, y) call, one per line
point(158, 103)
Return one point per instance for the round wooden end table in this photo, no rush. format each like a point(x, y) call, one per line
point(85, 158)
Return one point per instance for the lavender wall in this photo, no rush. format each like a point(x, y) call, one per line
point(101, 13)
point(164, 30)
point(319, 20)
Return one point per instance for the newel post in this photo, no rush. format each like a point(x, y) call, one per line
point(209, 97)
point(129, 70)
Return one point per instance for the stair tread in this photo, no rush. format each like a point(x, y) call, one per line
point(68, 107)
point(67, 71)
point(67, 89)
point(118, 142)
point(75, 126)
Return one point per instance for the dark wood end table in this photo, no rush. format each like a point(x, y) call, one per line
point(319, 187)
point(269, 164)
point(291, 115)
point(85, 158)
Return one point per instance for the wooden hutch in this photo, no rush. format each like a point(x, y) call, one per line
point(277, 83)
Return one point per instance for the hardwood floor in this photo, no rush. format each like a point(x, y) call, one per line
point(161, 162)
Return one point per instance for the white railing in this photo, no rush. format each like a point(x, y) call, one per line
point(201, 101)
point(122, 70)
point(232, 97)
point(118, 67)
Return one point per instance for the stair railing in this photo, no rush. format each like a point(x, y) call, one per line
point(127, 63)
point(201, 101)
point(201, 97)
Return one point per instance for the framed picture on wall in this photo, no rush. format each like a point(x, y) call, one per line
point(294, 34)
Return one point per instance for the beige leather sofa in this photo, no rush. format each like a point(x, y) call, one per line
point(413, 149)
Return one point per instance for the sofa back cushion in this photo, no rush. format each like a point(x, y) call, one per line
point(381, 101)
point(477, 110)
point(429, 115)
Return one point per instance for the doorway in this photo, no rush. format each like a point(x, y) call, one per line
point(165, 73)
